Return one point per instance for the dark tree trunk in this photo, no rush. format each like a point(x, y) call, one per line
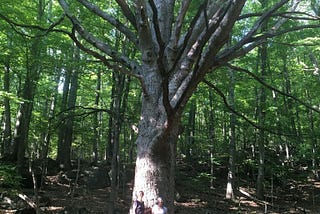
point(261, 110)
point(64, 150)
point(96, 121)
point(63, 115)
point(119, 81)
point(49, 112)
point(110, 143)
point(6, 135)
point(25, 109)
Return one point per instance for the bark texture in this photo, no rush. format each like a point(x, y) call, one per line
point(176, 54)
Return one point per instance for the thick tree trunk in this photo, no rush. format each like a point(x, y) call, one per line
point(175, 56)
point(66, 134)
point(23, 122)
point(70, 120)
point(24, 115)
point(156, 151)
point(63, 115)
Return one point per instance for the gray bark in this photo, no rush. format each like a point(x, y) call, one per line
point(173, 62)
point(261, 111)
point(232, 139)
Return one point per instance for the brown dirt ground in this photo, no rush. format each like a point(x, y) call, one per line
point(294, 198)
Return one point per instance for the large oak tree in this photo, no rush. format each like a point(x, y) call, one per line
point(179, 43)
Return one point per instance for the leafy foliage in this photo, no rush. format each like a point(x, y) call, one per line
point(9, 178)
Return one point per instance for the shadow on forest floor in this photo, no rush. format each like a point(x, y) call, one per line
point(295, 197)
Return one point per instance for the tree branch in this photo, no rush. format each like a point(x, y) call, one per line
point(221, 35)
point(105, 61)
point(145, 35)
point(88, 111)
point(217, 14)
point(232, 110)
point(127, 12)
point(286, 14)
point(160, 60)
point(45, 31)
point(236, 52)
point(235, 68)
point(213, 38)
point(175, 36)
point(97, 43)
point(248, 37)
point(113, 21)
point(186, 39)
point(239, 49)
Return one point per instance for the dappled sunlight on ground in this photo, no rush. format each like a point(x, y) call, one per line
point(294, 197)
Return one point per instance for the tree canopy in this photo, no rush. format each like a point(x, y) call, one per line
point(192, 80)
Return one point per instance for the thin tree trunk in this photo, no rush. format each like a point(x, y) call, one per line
point(124, 107)
point(261, 120)
point(212, 136)
point(190, 132)
point(109, 146)
point(96, 121)
point(289, 109)
point(232, 139)
point(116, 129)
point(6, 119)
point(50, 108)
point(261, 110)
point(314, 140)
point(49, 113)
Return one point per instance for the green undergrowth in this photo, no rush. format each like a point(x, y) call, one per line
point(9, 178)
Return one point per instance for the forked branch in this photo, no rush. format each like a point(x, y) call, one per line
point(95, 42)
point(112, 20)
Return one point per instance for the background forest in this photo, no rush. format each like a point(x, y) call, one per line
point(256, 118)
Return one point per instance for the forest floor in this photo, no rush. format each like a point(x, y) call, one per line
point(294, 197)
